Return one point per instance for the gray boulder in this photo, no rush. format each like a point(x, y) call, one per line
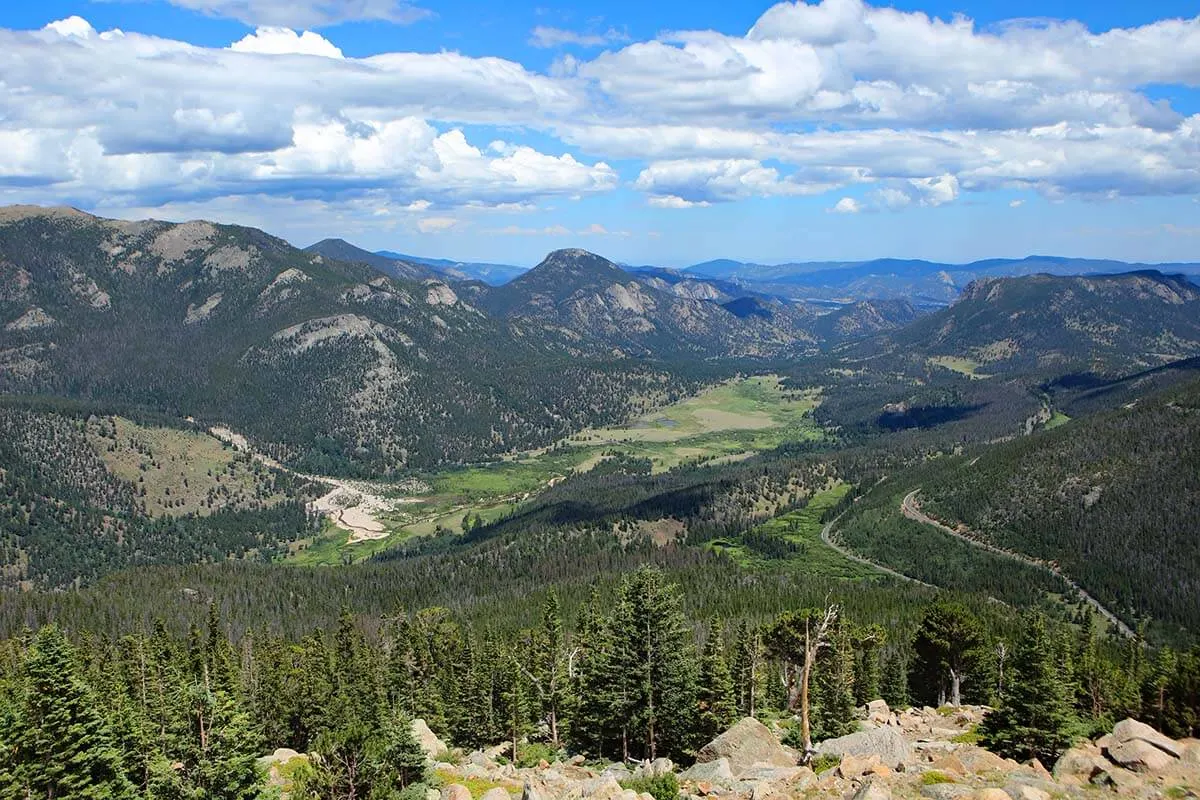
point(496, 793)
point(1078, 766)
point(946, 791)
point(873, 790)
point(618, 772)
point(602, 788)
point(1140, 756)
point(887, 743)
point(1128, 730)
point(717, 772)
point(747, 744)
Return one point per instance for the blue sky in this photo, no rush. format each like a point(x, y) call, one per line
point(658, 133)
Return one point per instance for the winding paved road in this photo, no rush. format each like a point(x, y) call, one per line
point(910, 509)
point(827, 538)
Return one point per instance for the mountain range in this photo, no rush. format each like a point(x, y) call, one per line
point(927, 285)
point(923, 283)
point(332, 359)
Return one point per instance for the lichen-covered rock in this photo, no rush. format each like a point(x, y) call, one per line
point(1128, 730)
point(878, 712)
point(1079, 765)
point(887, 743)
point(946, 791)
point(747, 744)
point(853, 766)
point(990, 793)
point(602, 788)
point(873, 790)
point(717, 772)
point(1022, 791)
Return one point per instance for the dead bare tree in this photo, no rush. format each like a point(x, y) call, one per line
point(797, 639)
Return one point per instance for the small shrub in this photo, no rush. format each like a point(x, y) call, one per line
point(452, 756)
point(528, 755)
point(933, 778)
point(969, 736)
point(662, 787)
point(821, 763)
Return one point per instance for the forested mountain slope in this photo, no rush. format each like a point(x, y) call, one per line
point(83, 495)
point(1114, 499)
point(1109, 500)
point(329, 365)
point(1103, 323)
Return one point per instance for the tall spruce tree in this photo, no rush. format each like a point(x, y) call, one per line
point(550, 670)
point(600, 722)
point(868, 666)
point(1035, 719)
point(834, 712)
point(656, 664)
point(715, 693)
point(748, 670)
point(894, 687)
point(57, 742)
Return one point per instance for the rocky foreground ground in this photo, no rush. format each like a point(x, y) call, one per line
point(914, 753)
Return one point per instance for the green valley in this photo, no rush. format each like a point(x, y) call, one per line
point(728, 422)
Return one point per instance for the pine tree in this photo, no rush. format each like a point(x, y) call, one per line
point(58, 742)
point(835, 688)
point(401, 760)
point(1035, 720)
point(748, 670)
point(599, 714)
point(948, 647)
point(515, 698)
point(796, 639)
point(656, 663)
point(868, 669)
point(715, 695)
point(550, 670)
point(894, 688)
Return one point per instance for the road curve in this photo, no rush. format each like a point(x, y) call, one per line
point(910, 509)
point(827, 538)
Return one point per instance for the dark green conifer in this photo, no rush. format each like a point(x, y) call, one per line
point(715, 694)
point(1035, 719)
point(56, 741)
point(834, 708)
point(948, 649)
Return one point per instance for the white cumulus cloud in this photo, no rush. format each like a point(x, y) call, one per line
point(283, 41)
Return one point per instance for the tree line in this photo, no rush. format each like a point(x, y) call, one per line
point(631, 676)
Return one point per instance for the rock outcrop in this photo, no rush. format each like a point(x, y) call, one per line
point(431, 745)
